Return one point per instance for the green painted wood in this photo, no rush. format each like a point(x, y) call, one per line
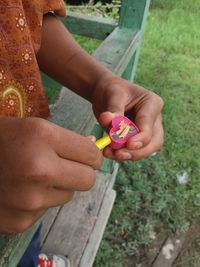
point(136, 57)
point(98, 28)
point(50, 83)
point(75, 221)
point(128, 73)
point(134, 16)
point(117, 50)
point(131, 14)
point(97, 233)
point(97, 131)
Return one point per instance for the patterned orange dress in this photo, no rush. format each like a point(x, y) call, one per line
point(21, 90)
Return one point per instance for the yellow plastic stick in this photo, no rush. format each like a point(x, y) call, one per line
point(103, 142)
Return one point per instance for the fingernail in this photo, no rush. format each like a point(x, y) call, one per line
point(92, 138)
point(126, 155)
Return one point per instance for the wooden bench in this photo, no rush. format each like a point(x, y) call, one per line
point(76, 229)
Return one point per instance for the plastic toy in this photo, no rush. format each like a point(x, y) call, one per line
point(120, 131)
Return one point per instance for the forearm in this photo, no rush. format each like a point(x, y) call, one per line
point(64, 60)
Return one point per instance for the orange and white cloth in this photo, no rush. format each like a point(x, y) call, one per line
point(21, 90)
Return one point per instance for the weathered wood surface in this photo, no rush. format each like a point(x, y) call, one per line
point(72, 112)
point(47, 221)
point(97, 233)
point(98, 28)
point(116, 51)
point(75, 222)
point(132, 14)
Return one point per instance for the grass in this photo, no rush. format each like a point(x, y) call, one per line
point(149, 197)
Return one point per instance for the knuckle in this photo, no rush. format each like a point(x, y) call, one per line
point(37, 127)
point(33, 203)
point(147, 139)
point(65, 198)
point(30, 201)
point(90, 178)
point(38, 168)
point(158, 99)
point(160, 102)
point(95, 157)
point(160, 143)
point(42, 128)
point(34, 167)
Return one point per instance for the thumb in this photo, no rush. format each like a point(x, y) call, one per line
point(105, 119)
point(113, 105)
point(61, 12)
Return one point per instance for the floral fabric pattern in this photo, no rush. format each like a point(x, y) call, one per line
point(21, 90)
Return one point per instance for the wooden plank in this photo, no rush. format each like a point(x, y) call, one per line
point(72, 111)
point(47, 221)
point(170, 251)
point(134, 16)
point(129, 72)
point(90, 26)
point(79, 217)
point(95, 238)
point(117, 50)
point(50, 83)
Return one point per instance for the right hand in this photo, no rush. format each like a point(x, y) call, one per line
point(41, 165)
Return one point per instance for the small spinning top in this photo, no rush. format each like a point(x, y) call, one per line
point(120, 131)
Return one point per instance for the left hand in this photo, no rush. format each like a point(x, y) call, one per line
point(116, 96)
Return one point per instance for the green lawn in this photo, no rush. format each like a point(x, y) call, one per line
point(149, 197)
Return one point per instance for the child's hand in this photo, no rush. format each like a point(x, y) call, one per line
point(114, 95)
point(41, 166)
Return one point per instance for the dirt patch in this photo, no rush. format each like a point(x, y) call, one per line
point(190, 253)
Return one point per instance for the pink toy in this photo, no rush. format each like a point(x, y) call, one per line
point(120, 131)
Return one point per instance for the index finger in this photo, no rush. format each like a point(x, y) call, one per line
point(72, 146)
